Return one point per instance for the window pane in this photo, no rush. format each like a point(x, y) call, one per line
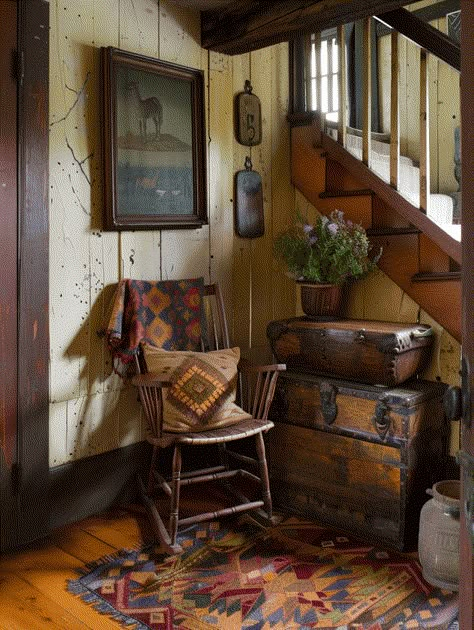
point(313, 60)
point(324, 94)
point(313, 94)
point(335, 56)
point(324, 57)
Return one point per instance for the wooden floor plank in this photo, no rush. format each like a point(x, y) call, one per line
point(129, 530)
point(23, 607)
point(82, 545)
point(47, 569)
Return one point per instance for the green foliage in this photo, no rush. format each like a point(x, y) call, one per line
point(331, 251)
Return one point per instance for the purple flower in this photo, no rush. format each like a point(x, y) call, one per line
point(332, 228)
point(307, 228)
point(313, 240)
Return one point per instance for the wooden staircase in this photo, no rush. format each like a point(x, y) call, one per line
point(417, 254)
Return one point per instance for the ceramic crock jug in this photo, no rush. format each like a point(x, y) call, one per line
point(438, 538)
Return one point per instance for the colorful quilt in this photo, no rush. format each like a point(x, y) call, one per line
point(242, 576)
point(167, 314)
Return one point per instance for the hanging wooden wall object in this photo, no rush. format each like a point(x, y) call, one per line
point(248, 117)
point(249, 221)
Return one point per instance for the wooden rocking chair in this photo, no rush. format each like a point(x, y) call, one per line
point(257, 387)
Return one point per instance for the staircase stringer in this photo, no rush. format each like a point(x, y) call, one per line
point(394, 229)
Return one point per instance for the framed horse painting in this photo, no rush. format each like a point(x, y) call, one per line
point(153, 142)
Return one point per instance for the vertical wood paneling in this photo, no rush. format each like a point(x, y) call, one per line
point(185, 253)
point(448, 118)
point(242, 267)
point(283, 196)
point(90, 410)
point(424, 134)
point(103, 246)
point(220, 160)
point(261, 248)
point(58, 453)
point(71, 145)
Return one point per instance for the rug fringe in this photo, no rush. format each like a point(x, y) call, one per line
point(102, 606)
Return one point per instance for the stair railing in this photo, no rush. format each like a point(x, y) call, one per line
point(313, 95)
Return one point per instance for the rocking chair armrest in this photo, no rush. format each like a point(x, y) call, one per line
point(151, 380)
point(246, 366)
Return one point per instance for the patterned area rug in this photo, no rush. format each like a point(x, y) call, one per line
point(241, 576)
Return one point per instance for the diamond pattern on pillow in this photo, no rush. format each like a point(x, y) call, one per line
point(198, 389)
point(202, 395)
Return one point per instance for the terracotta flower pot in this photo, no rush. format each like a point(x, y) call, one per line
point(320, 299)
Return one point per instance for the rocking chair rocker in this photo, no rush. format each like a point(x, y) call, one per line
point(256, 389)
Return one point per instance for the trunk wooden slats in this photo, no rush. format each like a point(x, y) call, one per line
point(361, 456)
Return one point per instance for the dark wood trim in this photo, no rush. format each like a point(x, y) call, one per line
point(297, 82)
point(390, 196)
point(392, 231)
point(329, 194)
point(242, 27)
point(427, 14)
point(425, 35)
point(8, 270)
point(87, 486)
point(33, 287)
point(466, 586)
point(436, 277)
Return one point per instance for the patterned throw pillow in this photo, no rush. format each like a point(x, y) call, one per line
point(202, 394)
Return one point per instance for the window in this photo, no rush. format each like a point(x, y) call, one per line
point(323, 68)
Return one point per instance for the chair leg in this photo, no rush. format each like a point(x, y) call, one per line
point(175, 487)
point(151, 476)
point(223, 456)
point(265, 480)
point(156, 522)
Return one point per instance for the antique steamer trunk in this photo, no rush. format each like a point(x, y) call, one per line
point(381, 353)
point(358, 457)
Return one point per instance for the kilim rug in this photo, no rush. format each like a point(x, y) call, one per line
point(241, 576)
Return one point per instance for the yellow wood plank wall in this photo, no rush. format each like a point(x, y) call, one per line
point(90, 409)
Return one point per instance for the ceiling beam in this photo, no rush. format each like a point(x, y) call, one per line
point(427, 14)
point(425, 35)
point(247, 25)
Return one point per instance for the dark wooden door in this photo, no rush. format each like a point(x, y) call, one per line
point(8, 270)
point(24, 342)
point(467, 429)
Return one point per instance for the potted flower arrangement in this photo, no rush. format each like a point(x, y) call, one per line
point(322, 257)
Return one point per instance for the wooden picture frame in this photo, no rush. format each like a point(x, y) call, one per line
point(153, 143)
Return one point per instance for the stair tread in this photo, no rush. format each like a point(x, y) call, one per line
point(345, 193)
point(436, 276)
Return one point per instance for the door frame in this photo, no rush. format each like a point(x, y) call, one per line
point(466, 582)
point(25, 471)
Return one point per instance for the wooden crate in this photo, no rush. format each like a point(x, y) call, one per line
point(357, 457)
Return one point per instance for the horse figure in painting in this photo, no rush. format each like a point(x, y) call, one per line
point(147, 108)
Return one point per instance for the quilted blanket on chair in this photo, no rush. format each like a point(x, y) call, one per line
point(165, 313)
